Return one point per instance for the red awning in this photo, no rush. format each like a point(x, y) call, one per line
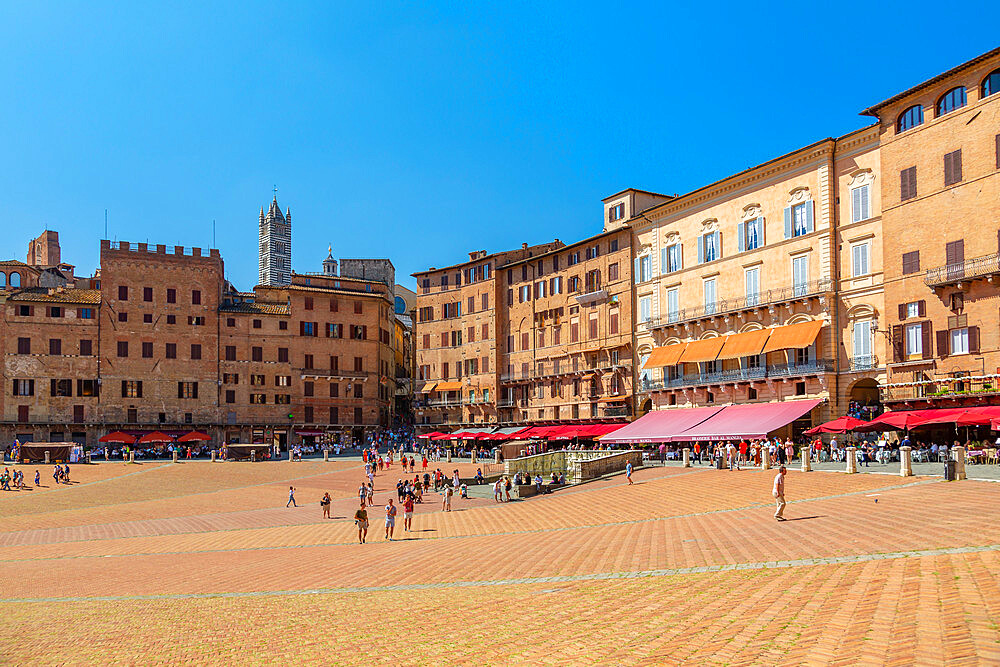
point(430, 435)
point(839, 425)
point(443, 436)
point(660, 425)
point(156, 437)
point(901, 420)
point(194, 436)
point(118, 437)
point(565, 432)
point(747, 421)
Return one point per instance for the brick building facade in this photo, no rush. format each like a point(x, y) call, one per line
point(940, 154)
point(163, 342)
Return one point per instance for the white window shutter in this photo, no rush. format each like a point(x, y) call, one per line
point(664, 260)
point(788, 222)
point(760, 231)
point(809, 217)
point(741, 243)
point(701, 249)
point(718, 245)
point(636, 276)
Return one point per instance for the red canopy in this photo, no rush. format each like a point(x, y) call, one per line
point(660, 425)
point(839, 425)
point(600, 430)
point(194, 436)
point(118, 437)
point(430, 435)
point(747, 421)
point(443, 436)
point(959, 418)
point(156, 437)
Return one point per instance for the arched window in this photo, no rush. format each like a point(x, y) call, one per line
point(3, 280)
point(15, 279)
point(953, 99)
point(991, 84)
point(910, 118)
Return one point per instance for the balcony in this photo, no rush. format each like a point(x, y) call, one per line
point(763, 299)
point(592, 296)
point(734, 375)
point(959, 272)
point(511, 378)
point(862, 363)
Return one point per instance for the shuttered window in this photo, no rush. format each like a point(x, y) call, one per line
point(908, 183)
point(953, 167)
point(859, 257)
point(954, 252)
point(860, 204)
point(911, 262)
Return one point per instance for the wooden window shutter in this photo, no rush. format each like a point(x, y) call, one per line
point(921, 308)
point(902, 311)
point(998, 151)
point(948, 177)
point(954, 252)
point(897, 343)
point(925, 340)
point(942, 343)
point(973, 340)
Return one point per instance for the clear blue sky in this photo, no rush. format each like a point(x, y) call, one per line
point(419, 131)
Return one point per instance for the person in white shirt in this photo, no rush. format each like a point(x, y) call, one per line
point(778, 491)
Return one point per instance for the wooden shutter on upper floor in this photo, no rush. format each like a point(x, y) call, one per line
point(897, 343)
point(902, 312)
point(942, 343)
point(954, 252)
point(953, 167)
point(810, 225)
point(998, 151)
point(911, 262)
point(973, 340)
point(908, 183)
point(921, 308)
point(925, 340)
point(788, 222)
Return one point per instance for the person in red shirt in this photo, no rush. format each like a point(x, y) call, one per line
point(743, 452)
point(407, 512)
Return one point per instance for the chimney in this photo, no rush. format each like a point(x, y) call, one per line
point(524, 246)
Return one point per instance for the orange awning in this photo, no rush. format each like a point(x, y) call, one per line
point(449, 386)
point(793, 336)
point(668, 355)
point(428, 388)
point(613, 399)
point(745, 344)
point(706, 349)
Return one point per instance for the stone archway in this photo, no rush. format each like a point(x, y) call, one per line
point(864, 399)
point(645, 407)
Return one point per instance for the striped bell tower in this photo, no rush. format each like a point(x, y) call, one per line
point(275, 245)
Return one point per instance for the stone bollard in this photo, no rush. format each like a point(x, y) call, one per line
point(958, 454)
point(806, 463)
point(47, 456)
point(90, 460)
point(765, 458)
point(253, 456)
point(131, 456)
point(174, 456)
point(289, 453)
point(852, 461)
point(326, 456)
point(496, 456)
point(449, 456)
point(686, 452)
point(213, 456)
point(475, 459)
point(905, 462)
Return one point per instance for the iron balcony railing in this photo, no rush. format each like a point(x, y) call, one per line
point(724, 306)
point(552, 372)
point(738, 375)
point(862, 363)
point(978, 267)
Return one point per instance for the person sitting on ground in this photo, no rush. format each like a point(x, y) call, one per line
point(479, 476)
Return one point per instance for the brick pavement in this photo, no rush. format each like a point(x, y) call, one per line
point(685, 566)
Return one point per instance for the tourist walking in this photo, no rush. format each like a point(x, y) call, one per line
point(390, 520)
point(291, 497)
point(361, 520)
point(779, 494)
point(628, 472)
point(446, 500)
point(506, 487)
point(408, 513)
point(38, 478)
point(325, 504)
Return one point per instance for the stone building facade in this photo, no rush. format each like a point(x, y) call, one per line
point(728, 275)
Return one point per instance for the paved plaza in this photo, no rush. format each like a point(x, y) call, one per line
point(203, 563)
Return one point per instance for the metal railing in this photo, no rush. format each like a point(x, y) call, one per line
point(976, 267)
point(862, 363)
point(535, 375)
point(739, 375)
point(760, 299)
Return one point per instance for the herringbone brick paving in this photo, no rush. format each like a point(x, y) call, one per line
point(850, 581)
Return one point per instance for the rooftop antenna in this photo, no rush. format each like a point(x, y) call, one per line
point(213, 232)
point(105, 223)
